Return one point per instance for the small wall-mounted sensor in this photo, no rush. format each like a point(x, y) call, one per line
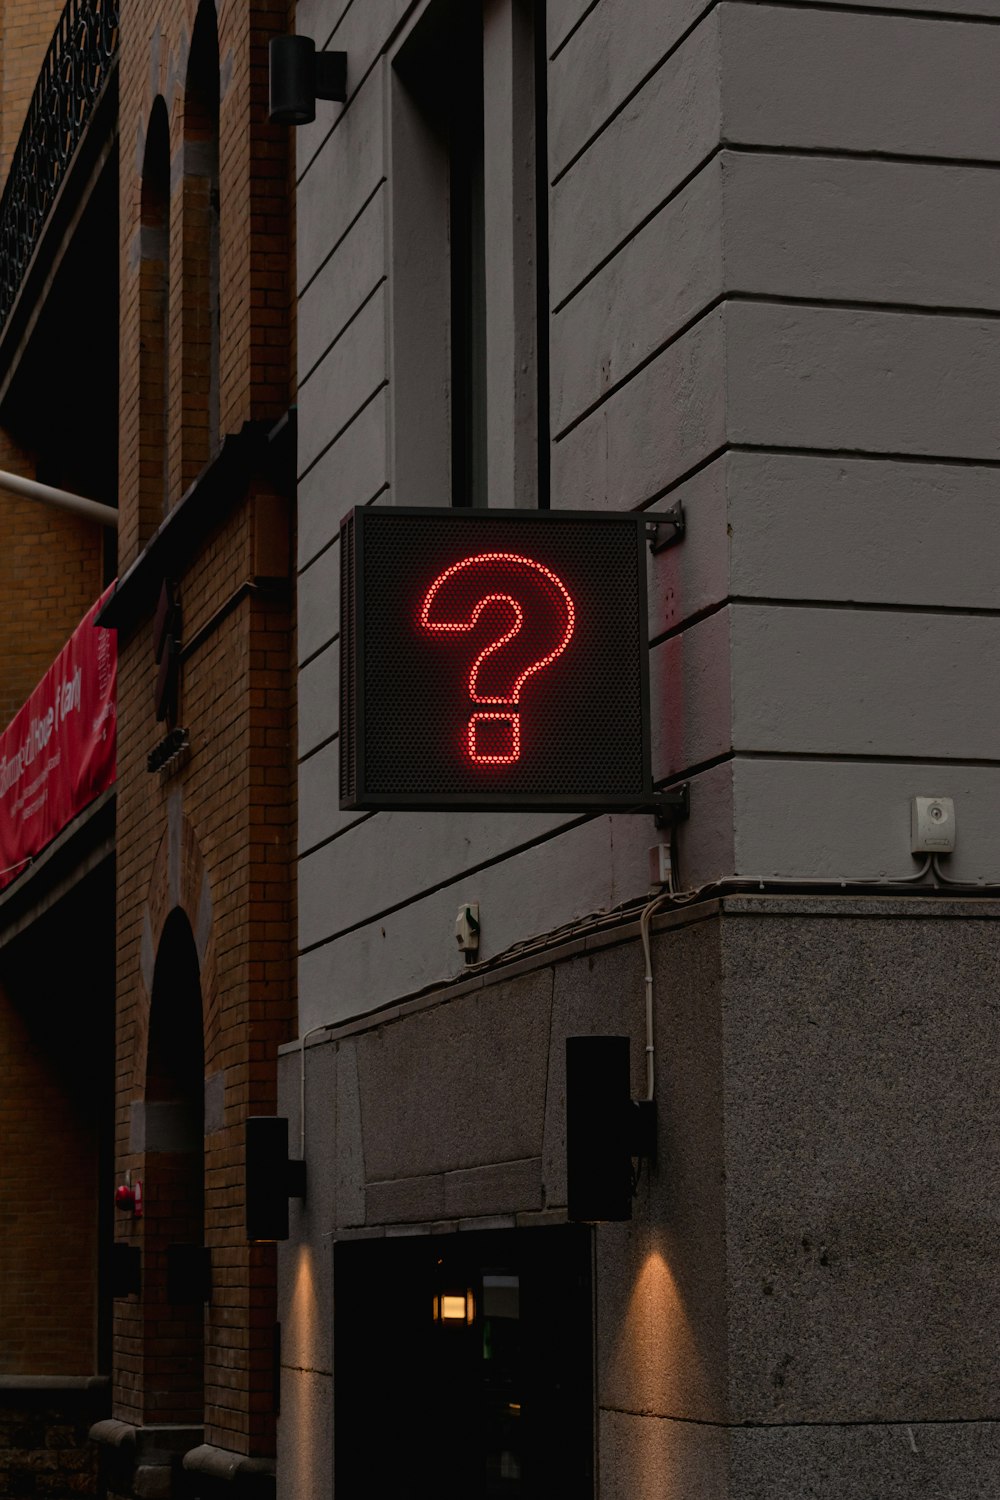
point(932, 825)
point(659, 864)
point(467, 928)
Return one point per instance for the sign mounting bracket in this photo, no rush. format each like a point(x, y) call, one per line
point(666, 528)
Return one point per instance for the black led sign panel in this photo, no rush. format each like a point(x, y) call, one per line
point(493, 659)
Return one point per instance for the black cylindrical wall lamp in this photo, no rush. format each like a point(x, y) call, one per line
point(299, 75)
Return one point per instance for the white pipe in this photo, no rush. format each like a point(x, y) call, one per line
point(92, 510)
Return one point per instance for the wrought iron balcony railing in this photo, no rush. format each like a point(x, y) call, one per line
point(72, 76)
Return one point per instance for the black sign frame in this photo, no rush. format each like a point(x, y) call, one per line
point(355, 793)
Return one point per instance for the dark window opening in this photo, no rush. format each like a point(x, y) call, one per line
point(468, 265)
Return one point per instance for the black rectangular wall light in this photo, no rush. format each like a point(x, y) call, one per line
point(599, 1128)
point(189, 1274)
point(126, 1269)
point(271, 1179)
point(494, 659)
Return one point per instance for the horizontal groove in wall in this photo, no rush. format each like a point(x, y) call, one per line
point(383, 489)
point(851, 606)
point(745, 148)
point(768, 299)
point(868, 455)
point(337, 24)
point(331, 838)
point(877, 1422)
point(320, 552)
point(442, 885)
point(308, 755)
point(830, 153)
point(637, 89)
point(342, 237)
point(606, 260)
point(824, 757)
point(643, 364)
point(335, 341)
point(347, 104)
point(907, 13)
point(573, 29)
point(306, 660)
point(341, 430)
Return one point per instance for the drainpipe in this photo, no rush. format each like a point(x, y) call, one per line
point(91, 510)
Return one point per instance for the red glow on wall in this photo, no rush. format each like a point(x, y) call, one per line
point(462, 609)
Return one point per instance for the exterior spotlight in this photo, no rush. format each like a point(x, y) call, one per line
point(299, 75)
point(605, 1129)
point(271, 1179)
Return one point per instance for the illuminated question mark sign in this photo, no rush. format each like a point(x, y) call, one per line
point(457, 602)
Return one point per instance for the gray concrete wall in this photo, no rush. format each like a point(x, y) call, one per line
point(805, 1302)
point(774, 296)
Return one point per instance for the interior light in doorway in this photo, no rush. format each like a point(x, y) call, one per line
point(455, 1308)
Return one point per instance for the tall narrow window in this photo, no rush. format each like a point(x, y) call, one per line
point(200, 255)
point(470, 302)
point(467, 261)
point(154, 297)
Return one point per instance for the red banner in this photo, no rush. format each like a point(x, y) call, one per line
point(58, 752)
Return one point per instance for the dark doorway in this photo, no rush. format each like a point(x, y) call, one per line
point(464, 1367)
point(175, 1283)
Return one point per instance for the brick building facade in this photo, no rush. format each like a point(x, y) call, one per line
point(205, 982)
point(169, 238)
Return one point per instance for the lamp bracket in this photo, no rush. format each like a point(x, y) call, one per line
point(331, 76)
point(672, 805)
point(666, 528)
point(643, 1129)
point(296, 1178)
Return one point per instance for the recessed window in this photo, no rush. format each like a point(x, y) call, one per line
point(469, 294)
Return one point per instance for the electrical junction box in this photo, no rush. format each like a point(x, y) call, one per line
point(932, 825)
point(494, 659)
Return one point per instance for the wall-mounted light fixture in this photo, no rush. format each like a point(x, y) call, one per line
point(126, 1269)
point(606, 1129)
point(271, 1178)
point(455, 1308)
point(299, 75)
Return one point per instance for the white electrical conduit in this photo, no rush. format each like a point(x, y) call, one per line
point(679, 898)
point(91, 510)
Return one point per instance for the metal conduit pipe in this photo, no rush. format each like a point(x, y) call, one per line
point(92, 510)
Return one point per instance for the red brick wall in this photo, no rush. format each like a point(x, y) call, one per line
point(26, 28)
point(231, 806)
point(50, 575)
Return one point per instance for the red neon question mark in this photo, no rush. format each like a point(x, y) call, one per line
point(511, 713)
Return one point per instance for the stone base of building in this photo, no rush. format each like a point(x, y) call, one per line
point(168, 1462)
point(44, 1421)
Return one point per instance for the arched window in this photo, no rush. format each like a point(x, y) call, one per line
point(200, 254)
point(154, 299)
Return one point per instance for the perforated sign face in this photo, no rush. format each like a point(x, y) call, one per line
point(493, 659)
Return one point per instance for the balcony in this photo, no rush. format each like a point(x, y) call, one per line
point(72, 85)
